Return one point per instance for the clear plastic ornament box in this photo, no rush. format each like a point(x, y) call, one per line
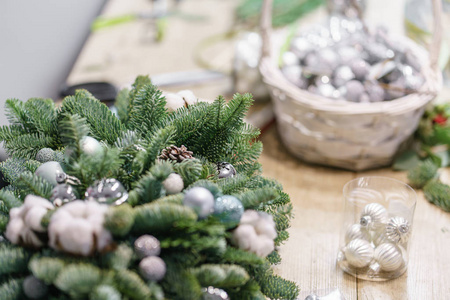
point(343, 134)
point(398, 202)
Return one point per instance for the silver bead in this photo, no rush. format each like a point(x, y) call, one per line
point(225, 170)
point(152, 268)
point(398, 230)
point(355, 90)
point(326, 90)
point(389, 257)
point(212, 293)
point(375, 92)
point(328, 58)
point(294, 75)
point(108, 191)
point(200, 200)
point(359, 253)
point(373, 216)
point(147, 245)
point(360, 68)
point(45, 155)
point(342, 75)
point(34, 288)
point(355, 231)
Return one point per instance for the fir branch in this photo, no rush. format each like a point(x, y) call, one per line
point(275, 287)
point(422, 173)
point(120, 258)
point(121, 104)
point(13, 260)
point(281, 237)
point(131, 285)
point(119, 219)
point(241, 257)
point(147, 189)
point(72, 129)
point(17, 115)
point(249, 291)
point(148, 111)
point(105, 292)
point(138, 84)
point(252, 199)
point(46, 268)
point(438, 193)
point(189, 169)
point(34, 184)
point(180, 284)
point(8, 133)
point(78, 280)
point(27, 145)
point(233, 184)
point(32, 165)
point(9, 199)
point(274, 258)
point(161, 170)
point(11, 290)
point(160, 217)
point(221, 276)
point(43, 116)
point(4, 219)
point(102, 122)
point(175, 199)
point(129, 138)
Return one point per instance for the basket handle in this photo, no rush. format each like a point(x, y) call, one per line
point(435, 46)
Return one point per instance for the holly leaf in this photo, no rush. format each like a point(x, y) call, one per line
point(405, 161)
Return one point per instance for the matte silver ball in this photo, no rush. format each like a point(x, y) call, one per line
point(360, 68)
point(108, 191)
point(290, 59)
point(212, 293)
point(375, 92)
point(200, 200)
point(342, 75)
point(45, 155)
point(225, 170)
point(355, 90)
point(49, 170)
point(389, 257)
point(328, 58)
point(355, 231)
point(152, 268)
point(373, 216)
point(398, 230)
point(359, 253)
point(173, 184)
point(34, 288)
point(147, 245)
point(294, 75)
point(90, 146)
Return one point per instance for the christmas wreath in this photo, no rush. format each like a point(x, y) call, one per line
point(153, 203)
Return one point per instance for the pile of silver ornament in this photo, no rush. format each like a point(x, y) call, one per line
point(378, 241)
point(346, 61)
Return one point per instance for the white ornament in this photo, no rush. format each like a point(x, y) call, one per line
point(342, 75)
point(373, 216)
point(25, 221)
point(201, 200)
point(173, 184)
point(90, 146)
point(398, 230)
point(355, 231)
point(77, 228)
point(389, 257)
point(49, 171)
point(152, 268)
point(359, 253)
point(188, 97)
point(174, 102)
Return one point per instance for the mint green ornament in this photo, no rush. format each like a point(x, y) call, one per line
point(228, 209)
point(49, 171)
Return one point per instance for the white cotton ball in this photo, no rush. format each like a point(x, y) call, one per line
point(265, 227)
point(16, 212)
point(249, 216)
point(33, 201)
point(188, 96)
point(263, 246)
point(104, 238)
point(13, 230)
point(93, 208)
point(75, 208)
point(33, 218)
point(244, 236)
point(173, 184)
point(174, 102)
point(78, 238)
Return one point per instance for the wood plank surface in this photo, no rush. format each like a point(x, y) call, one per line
point(119, 53)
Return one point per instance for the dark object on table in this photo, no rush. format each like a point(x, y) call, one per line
point(3, 182)
point(104, 91)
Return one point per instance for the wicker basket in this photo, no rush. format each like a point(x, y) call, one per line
point(353, 136)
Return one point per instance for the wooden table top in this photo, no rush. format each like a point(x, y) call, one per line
point(118, 54)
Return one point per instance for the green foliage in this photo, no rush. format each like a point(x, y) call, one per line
point(105, 292)
point(46, 268)
point(122, 104)
point(131, 285)
point(11, 290)
point(221, 276)
point(9, 199)
point(13, 260)
point(128, 102)
point(119, 219)
point(422, 173)
point(78, 280)
point(27, 145)
point(34, 184)
point(254, 198)
point(233, 184)
point(120, 258)
point(73, 129)
point(181, 284)
point(276, 287)
point(12, 168)
point(241, 257)
point(438, 193)
point(189, 169)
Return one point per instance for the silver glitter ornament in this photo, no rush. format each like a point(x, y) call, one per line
point(152, 268)
point(359, 253)
point(228, 209)
point(398, 230)
point(45, 155)
point(90, 146)
point(34, 288)
point(49, 170)
point(147, 245)
point(108, 191)
point(389, 257)
point(355, 231)
point(342, 75)
point(373, 216)
point(225, 170)
point(212, 293)
point(200, 200)
point(355, 90)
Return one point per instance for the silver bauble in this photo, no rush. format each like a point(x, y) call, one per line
point(152, 268)
point(355, 231)
point(360, 68)
point(328, 58)
point(358, 253)
point(301, 46)
point(355, 90)
point(147, 245)
point(90, 146)
point(212, 293)
point(108, 191)
point(228, 209)
point(326, 90)
point(342, 75)
point(375, 91)
point(34, 288)
point(396, 89)
point(49, 170)
point(398, 230)
point(63, 193)
point(290, 59)
point(200, 200)
point(173, 184)
point(389, 257)
point(45, 155)
point(364, 98)
point(294, 75)
point(225, 170)
point(373, 216)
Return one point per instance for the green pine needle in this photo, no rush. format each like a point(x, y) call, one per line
point(46, 268)
point(438, 193)
point(78, 280)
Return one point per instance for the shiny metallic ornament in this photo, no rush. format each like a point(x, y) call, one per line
point(108, 191)
point(373, 216)
point(359, 253)
point(225, 170)
point(228, 209)
point(342, 75)
point(360, 68)
point(398, 230)
point(152, 268)
point(200, 200)
point(49, 171)
point(355, 231)
point(62, 194)
point(212, 293)
point(389, 257)
point(147, 245)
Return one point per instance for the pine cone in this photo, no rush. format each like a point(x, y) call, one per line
point(175, 153)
